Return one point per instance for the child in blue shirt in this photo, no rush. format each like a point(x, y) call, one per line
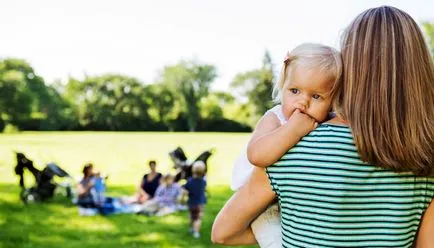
point(195, 188)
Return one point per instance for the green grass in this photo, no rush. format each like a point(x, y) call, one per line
point(123, 156)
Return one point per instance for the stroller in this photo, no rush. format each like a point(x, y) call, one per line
point(183, 166)
point(45, 187)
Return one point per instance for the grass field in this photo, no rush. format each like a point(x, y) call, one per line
point(123, 156)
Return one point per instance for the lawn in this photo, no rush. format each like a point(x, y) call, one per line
point(123, 156)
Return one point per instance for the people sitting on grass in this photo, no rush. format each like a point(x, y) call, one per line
point(165, 199)
point(84, 188)
point(195, 189)
point(91, 188)
point(149, 183)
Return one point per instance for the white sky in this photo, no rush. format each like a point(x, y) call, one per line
point(137, 38)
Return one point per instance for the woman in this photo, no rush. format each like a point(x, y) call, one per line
point(363, 178)
point(85, 186)
point(149, 184)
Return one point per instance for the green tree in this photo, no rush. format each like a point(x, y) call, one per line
point(22, 93)
point(161, 101)
point(60, 115)
point(257, 86)
point(210, 107)
point(15, 98)
point(190, 82)
point(429, 33)
point(109, 102)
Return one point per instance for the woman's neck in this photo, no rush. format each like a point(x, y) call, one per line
point(338, 120)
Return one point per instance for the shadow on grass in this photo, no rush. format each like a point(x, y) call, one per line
point(57, 224)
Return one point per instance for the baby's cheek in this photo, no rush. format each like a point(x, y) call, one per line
point(323, 117)
point(287, 110)
point(323, 113)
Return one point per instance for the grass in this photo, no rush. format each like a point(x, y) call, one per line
point(123, 156)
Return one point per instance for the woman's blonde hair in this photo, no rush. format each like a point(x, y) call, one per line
point(387, 95)
point(310, 55)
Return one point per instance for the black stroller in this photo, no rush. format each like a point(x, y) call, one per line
point(44, 188)
point(183, 166)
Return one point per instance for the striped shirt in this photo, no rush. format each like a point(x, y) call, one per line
point(330, 198)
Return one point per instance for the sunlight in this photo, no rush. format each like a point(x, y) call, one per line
point(46, 239)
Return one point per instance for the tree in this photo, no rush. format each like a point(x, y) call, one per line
point(15, 98)
point(210, 107)
point(429, 33)
point(22, 92)
point(257, 85)
point(189, 81)
point(60, 115)
point(109, 102)
point(27, 102)
point(161, 101)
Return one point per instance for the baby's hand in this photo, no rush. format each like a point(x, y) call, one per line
point(302, 123)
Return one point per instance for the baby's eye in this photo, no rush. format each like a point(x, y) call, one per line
point(294, 91)
point(316, 96)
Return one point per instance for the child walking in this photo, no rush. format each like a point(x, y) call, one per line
point(195, 189)
point(310, 77)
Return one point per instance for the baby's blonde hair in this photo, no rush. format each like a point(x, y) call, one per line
point(310, 55)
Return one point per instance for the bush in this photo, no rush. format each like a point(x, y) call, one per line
point(2, 124)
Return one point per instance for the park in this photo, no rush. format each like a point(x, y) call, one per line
point(123, 156)
point(119, 85)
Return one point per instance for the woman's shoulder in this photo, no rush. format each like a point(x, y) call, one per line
point(334, 124)
point(330, 130)
point(335, 120)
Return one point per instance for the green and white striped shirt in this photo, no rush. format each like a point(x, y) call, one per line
point(330, 198)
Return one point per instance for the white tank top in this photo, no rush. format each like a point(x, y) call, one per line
point(242, 167)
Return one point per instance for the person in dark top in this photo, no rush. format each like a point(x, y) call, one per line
point(149, 184)
point(195, 188)
point(85, 186)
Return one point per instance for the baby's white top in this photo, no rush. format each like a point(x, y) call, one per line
point(242, 167)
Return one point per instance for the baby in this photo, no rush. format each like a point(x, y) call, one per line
point(309, 79)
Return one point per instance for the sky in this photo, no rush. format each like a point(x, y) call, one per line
point(62, 39)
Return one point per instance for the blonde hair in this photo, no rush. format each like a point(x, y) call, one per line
point(167, 177)
point(198, 168)
point(310, 55)
point(387, 95)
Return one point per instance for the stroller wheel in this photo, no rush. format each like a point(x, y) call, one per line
point(28, 196)
point(23, 195)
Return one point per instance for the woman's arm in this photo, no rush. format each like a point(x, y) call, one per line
point(232, 224)
point(425, 238)
point(270, 140)
point(84, 189)
point(141, 193)
point(140, 189)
